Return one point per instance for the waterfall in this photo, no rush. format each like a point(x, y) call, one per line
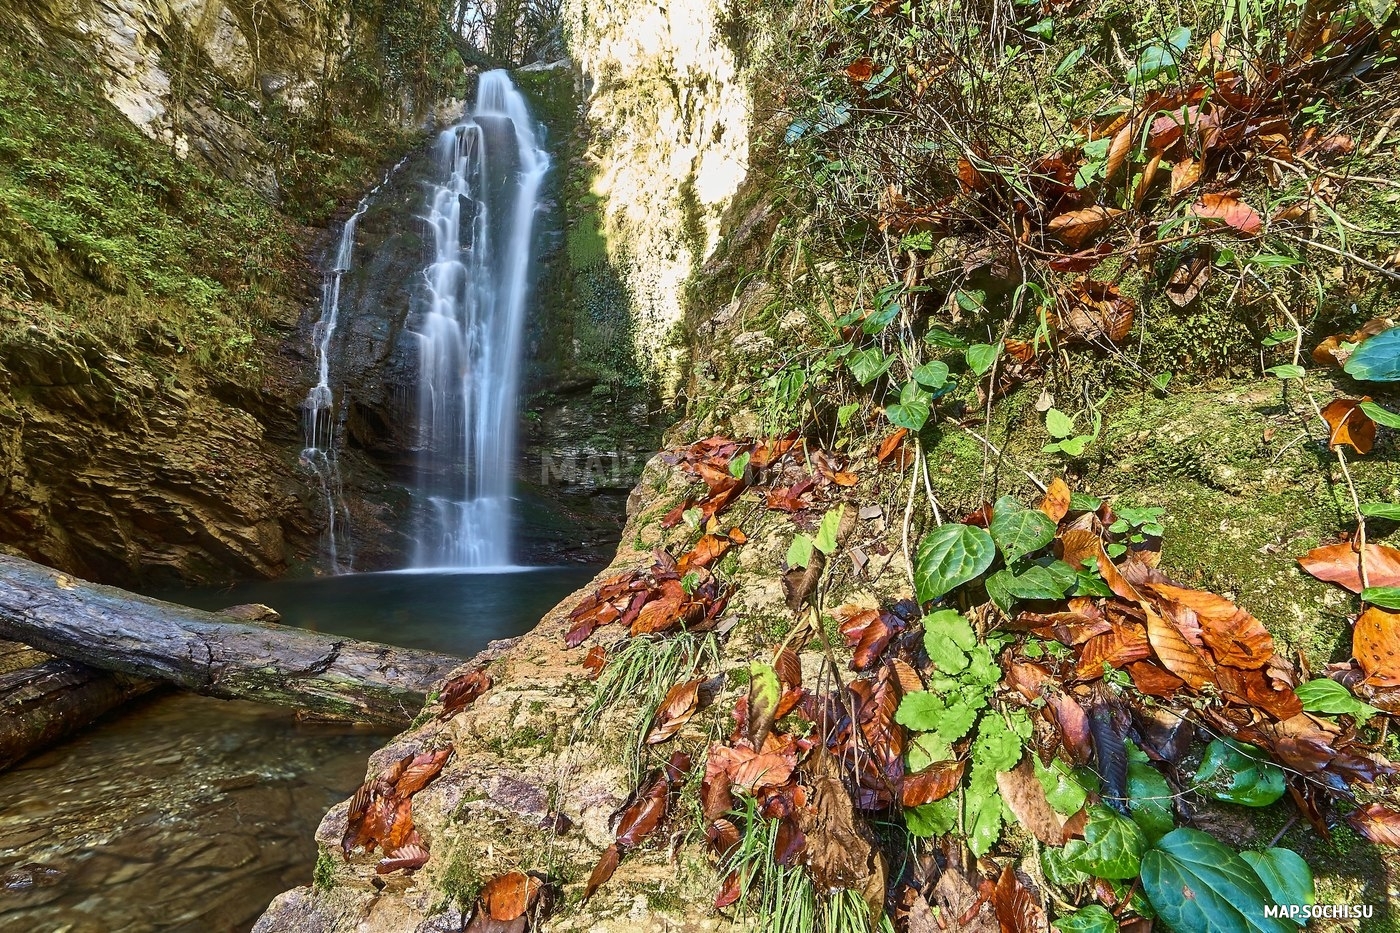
point(481, 217)
point(320, 422)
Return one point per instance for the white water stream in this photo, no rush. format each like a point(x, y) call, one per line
point(482, 219)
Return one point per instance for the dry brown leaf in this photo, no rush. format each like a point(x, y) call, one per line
point(607, 864)
point(1185, 174)
point(460, 692)
point(1188, 279)
point(1144, 182)
point(595, 661)
point(1024, 796)
point(1078, 545)
point(1375, 643)
point(1075, 228)
point(1120, 647)
point(860, 71)
point(1340, 564)
point(1176, 653)
point(1350, 425)
point(407, 858)
point(1016, 908)
point(1118, 150)
point(1234, 636)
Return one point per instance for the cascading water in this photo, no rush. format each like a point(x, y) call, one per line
point(482, 219)
point(319, 412)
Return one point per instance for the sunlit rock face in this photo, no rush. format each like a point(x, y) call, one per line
point(669, 111)
point(172, 67)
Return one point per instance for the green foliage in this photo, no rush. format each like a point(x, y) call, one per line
point(1112, 846)
point(1376, 359)
point(1285, 874)
point(1018, 530)
point(1198, 885)
point(1239, 773)
point(1091, 919)
point(1149, 796)
point(1327, 696)
point(949, 556)
point(1387, 597)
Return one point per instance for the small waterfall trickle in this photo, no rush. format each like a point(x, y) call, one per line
point(481, 217)
point(320, 416)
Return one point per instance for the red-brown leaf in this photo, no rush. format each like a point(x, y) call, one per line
point(508, 896)
point(1340, 564)
point(1231, 211)
point(1154, 680)
point(1378, 823)
point(460, 692)
point(641, 818)
point(607, 864)
point(1176, 652)
point(419, 770)
point(1016, 908)
point(1235, 637)
point(679, 704)
point(595, 661)
point(1122, 646)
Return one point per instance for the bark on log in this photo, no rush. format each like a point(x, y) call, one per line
point(44, 699)
point(114, 630)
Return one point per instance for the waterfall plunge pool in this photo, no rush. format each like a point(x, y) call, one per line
point(182, 812)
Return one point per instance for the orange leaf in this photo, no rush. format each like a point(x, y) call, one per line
point(860, 71)
point(1378, 823)
point(1177, 654)
point(1118, 150)
point(1234, 636)
point(594, 662)
point(890, 444)
point(933, 783)
point(607, 864)
point(1231, 211)
point(1016, 908)
point(509, 896)
point(1076, 228)
point(1339, 563)
point(1079, 545)
point(1055, 503)
point(1375, 643)
point(1185, 174)
point(1349, 424)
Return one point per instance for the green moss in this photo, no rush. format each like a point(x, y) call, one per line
point(323, 876)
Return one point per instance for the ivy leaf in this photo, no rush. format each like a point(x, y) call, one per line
point(1113, 845)
point(869, 364)
point(980, 357)
point(1387, 597)
point(1287, 877)
point(949, 556)
point(1064, 794)
point(947, 635)
point(1019, 531)
point(933, 375)
point(1092, 919)
point(1058, 869)
point(1287, 371)
point(938, 337)
point(1377, 359)
point(1239, 773)
point(1197, 885)
point(912, 414)
point(1328, 696)
point(1149, 796)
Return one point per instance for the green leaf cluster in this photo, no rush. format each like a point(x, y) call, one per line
point(1239, 773)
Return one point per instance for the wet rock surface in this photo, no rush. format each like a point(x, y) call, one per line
point(184, 813)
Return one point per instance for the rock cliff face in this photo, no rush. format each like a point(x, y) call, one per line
point(159, 161)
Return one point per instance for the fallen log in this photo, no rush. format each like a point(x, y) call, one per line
point(111, 629)
point(44, 699)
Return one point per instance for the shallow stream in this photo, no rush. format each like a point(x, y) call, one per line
point(187, 813)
